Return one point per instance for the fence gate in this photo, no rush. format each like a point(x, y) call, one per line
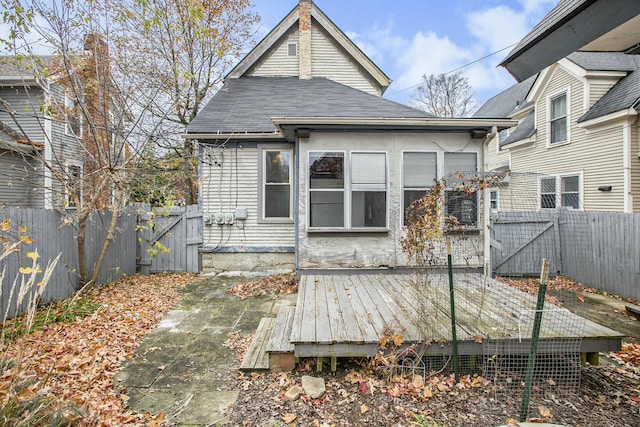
point(520, 240)
point(168, 240)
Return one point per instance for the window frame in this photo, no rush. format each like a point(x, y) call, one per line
point(495, 199)
point(404, 188)
point(470, 226)
point(262, 183)
point(567, 117)
point(70, 105)
point(558, 191)
point(347, 190)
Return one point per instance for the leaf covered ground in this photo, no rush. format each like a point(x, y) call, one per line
point(282, 284)
point(73, 363)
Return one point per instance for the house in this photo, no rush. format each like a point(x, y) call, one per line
point(30, 137)
point(303, 163)
point(576, 25)
point(577, 118)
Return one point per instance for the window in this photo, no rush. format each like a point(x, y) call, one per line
point(459, 204)
point(548, 193)
point(366, 187)
point(570, 191)
point(73, 125)
point(558, 119)
point(494, 198)
point(73, 186)
point(418, 174)
point(277, 191)
point(566, 194)
point(292, 49)
point(503, 135)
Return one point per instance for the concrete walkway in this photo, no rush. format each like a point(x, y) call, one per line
point(182, 368)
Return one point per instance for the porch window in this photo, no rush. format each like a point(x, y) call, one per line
point(558, 125)
point(458, 167)
point(368, 190)
point(353, 197)
point(494, 196)
point(418, 174)
point(276, 173)
point(570, 191)
point(326, 189)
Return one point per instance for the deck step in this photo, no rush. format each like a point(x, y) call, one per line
point(280, 348)
point(280, 341)
point(257, 358)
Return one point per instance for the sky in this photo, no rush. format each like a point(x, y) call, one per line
point(411, 38)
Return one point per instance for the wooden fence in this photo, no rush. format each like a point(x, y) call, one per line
point(51, 237)
point(598, 249)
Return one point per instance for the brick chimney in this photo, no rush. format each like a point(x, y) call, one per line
point(304, 42)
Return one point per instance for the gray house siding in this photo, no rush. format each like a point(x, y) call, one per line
point(21, 180)
point(26, 105)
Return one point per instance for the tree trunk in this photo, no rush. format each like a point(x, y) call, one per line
point(190, 193)
point(82, 253)
point(109, 237)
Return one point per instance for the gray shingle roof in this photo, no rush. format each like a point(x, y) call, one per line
point(525, 129)
point(625, 94)
point(247, 104)
point(507, 102)
point(603, 61)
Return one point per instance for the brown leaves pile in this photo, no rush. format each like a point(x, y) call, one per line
point(75, 363)
point(278, 284)
point(630, 353)
point(557, 283)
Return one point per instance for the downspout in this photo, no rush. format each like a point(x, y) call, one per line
point(486, 206)
point(296, 202)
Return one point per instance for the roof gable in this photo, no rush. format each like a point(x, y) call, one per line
point(345, 51)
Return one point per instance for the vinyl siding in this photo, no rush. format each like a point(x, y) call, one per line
point(330, 61)
point(231, 183)
point(26, 106)
point(597, 155)
point(21, 181)
point(277, 62)
point(635, 165)
point(598, 88)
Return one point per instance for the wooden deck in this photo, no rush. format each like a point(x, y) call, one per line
point(344, 315)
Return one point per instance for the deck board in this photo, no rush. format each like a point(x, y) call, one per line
point(348, 313)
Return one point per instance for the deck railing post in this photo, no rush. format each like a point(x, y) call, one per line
point(454, 335)
point(535, 338)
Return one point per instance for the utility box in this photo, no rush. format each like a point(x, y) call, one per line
point(241, 213)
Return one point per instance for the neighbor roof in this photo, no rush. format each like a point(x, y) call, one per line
point(624, 95)
point(604, 61)
point(525, 129)
point(247, 105)
point(508, 102)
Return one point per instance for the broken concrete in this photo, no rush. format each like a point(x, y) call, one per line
point(313, 387)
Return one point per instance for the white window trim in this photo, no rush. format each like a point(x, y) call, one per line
point(69, 103)
point(558, 179)
point(497, 191)
point(347, 190)
point(442, 167)
point(439, 158)
point(566, 91)
point(262, 150)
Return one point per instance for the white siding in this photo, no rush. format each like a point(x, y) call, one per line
point(330, 61)
point(598, 88)
point(635, 165)
point(331, 250)
point(597, 155)
point(230, 180)
point(277, 62)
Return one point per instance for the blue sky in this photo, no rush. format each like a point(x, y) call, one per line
point(408, 38)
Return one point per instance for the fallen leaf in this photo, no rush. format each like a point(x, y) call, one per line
point(545, 412)
point(511, 422)
point(581, 297)
point(289, 418)
point(427, 393)
point(398, 339)
point(161, 368)
point(364, 408)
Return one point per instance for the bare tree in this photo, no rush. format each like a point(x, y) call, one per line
point(184, 48)
point(444, 95)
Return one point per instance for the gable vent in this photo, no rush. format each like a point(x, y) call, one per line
point(292, 49)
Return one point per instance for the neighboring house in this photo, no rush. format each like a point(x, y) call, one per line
point(30, 137)
point(577, 25)
point(305, 165)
